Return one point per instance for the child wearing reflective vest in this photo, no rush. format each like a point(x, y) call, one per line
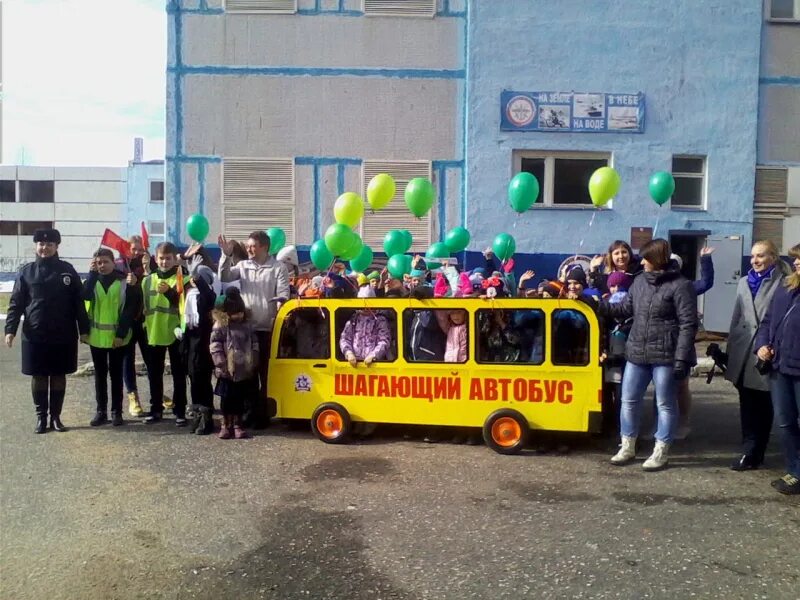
point(162, 292)
point(112, 306)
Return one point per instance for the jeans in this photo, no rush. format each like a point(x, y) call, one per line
point(138, 336)
point(108, 361)
point(786, 401)
point(635, 380)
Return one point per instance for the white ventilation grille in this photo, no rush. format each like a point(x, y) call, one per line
point(770, 207)
point(396, 215)
point(399, 8)
point(280, 7)
point(257, 193)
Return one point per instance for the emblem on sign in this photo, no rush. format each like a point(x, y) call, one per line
point(521, 111)
point(302, 383)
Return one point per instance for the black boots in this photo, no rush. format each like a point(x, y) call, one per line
point(202, 419)
point(56, 404)
point(40, 402)
point(41, 424)
point(100, 418)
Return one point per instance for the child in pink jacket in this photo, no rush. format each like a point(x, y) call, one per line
point(454, 324)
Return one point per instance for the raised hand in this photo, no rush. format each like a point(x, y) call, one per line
point(225, 245)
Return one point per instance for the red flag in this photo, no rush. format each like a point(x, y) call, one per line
point(145, 239)
point(113, 241)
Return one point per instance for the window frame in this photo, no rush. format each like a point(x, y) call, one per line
point(150, 191)
point(337, 332)
point(793, 20)
point(25, 182)
point(14, 193)
point(407, 337)
point(548, 185)
point(552, 348)
point(327, 317)
point(703, 206)
point(152, 230)
point(545, 349)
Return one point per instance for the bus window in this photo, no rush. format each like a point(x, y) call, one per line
point(510, 336)
point(305, 334)
point(570, 338)
point(366, 331)
point(426, 335)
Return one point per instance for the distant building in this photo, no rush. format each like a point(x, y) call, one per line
point(81, 202)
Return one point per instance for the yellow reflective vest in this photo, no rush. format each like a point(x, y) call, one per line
point(104, 311)
point(160, 317)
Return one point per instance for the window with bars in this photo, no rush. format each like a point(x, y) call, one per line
point(258, 193)
point(396, 215)
point(399, 8)
point(276, 7)
point(689, 173)
point(770, 206)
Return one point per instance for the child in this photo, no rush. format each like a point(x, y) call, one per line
point(366, 336)
point(112, 306)
point(454, 325)
point(161, 319)
point(365, 289)
point(614, 357)
point(234, 351)
point(195, 342)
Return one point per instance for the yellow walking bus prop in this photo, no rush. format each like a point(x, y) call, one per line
point(530, 365)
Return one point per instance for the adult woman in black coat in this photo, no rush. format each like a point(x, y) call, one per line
point(660, 348)
point(48, 292)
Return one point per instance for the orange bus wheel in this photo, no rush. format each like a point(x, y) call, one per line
point(331, 423)
point(506, 431)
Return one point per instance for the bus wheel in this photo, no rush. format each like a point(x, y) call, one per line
point(331, 423)
point(505, 431)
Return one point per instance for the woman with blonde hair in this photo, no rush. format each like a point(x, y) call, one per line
point(778, 343)
point(753, 296)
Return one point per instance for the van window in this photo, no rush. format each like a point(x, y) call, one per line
point(366, 331)
point(306, 334)
point(510, 336)
point(570, 338)
point(426, 332)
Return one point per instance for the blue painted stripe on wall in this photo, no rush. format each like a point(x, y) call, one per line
point(201, 188)
point(319, 72)
point(316, 201)
point(448, 164)
point(785, 80)
point(340, 179)
point(194, 158)
point(325, 160)
point(464, 116)
point(442, 175)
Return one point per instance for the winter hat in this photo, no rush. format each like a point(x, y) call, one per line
point(47, 235)
point(677, 259)
point(204, 273)
point(418, 273)
point(232, 302)
point(374, 275)
point(441, 288)
point(479, 271)
point(362, 279)
point(551, 287)
point(576, 274)
point(620, 279)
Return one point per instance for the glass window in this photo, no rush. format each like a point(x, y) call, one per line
point(689, 174)
point(570, 338)
point(8, 190)
point(436, 336)
point(156, 191)
point(306, 334)
point(30, 227)
point(510, 336)
point(156, 227)
point(9, 227)
point(784, 9)
point(563, 176)
point(367, 332)
point(36, 191)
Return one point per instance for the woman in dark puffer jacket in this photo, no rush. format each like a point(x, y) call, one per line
point(660, 348)
point(778, 341)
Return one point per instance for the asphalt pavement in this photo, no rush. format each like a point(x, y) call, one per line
point(155, 512)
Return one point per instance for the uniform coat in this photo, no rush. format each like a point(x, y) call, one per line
point(747, 315)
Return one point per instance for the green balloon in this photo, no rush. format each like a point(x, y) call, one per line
point(457, 239)
point(437, 250)
point(360, 263)
point(408, 239)
point(277, 239)
point(523, 191)
point(197, 227)
point(419, 196)
point(321, 256)
point(603, 185)
point(399, 265)
point(354, 249)
point(504, 246)
point(662, 186)
point(394, 242)
point(338, 238)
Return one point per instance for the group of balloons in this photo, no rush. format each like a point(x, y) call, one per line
point(197, 228)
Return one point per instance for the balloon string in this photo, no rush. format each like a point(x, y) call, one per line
point(580, 246)
point(655, 229)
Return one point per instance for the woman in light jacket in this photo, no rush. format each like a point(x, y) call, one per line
point(753, 296)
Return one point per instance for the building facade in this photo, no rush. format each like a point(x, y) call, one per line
point(145, 199)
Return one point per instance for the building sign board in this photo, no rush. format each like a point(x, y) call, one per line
point(572, 112)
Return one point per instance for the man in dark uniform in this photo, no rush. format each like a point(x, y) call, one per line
point(48, 292)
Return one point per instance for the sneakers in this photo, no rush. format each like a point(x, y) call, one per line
point(116, 419)
point(744, 463)
point(225, 433)
point(153, 417)
point(627, 452)
point(240, 433)
point(180, 421)
point(168, 403)
point(658, 459)
point(134, 407)
point(100, 418)
point(788, 484)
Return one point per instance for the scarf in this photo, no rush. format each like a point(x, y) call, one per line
point(754, 279)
